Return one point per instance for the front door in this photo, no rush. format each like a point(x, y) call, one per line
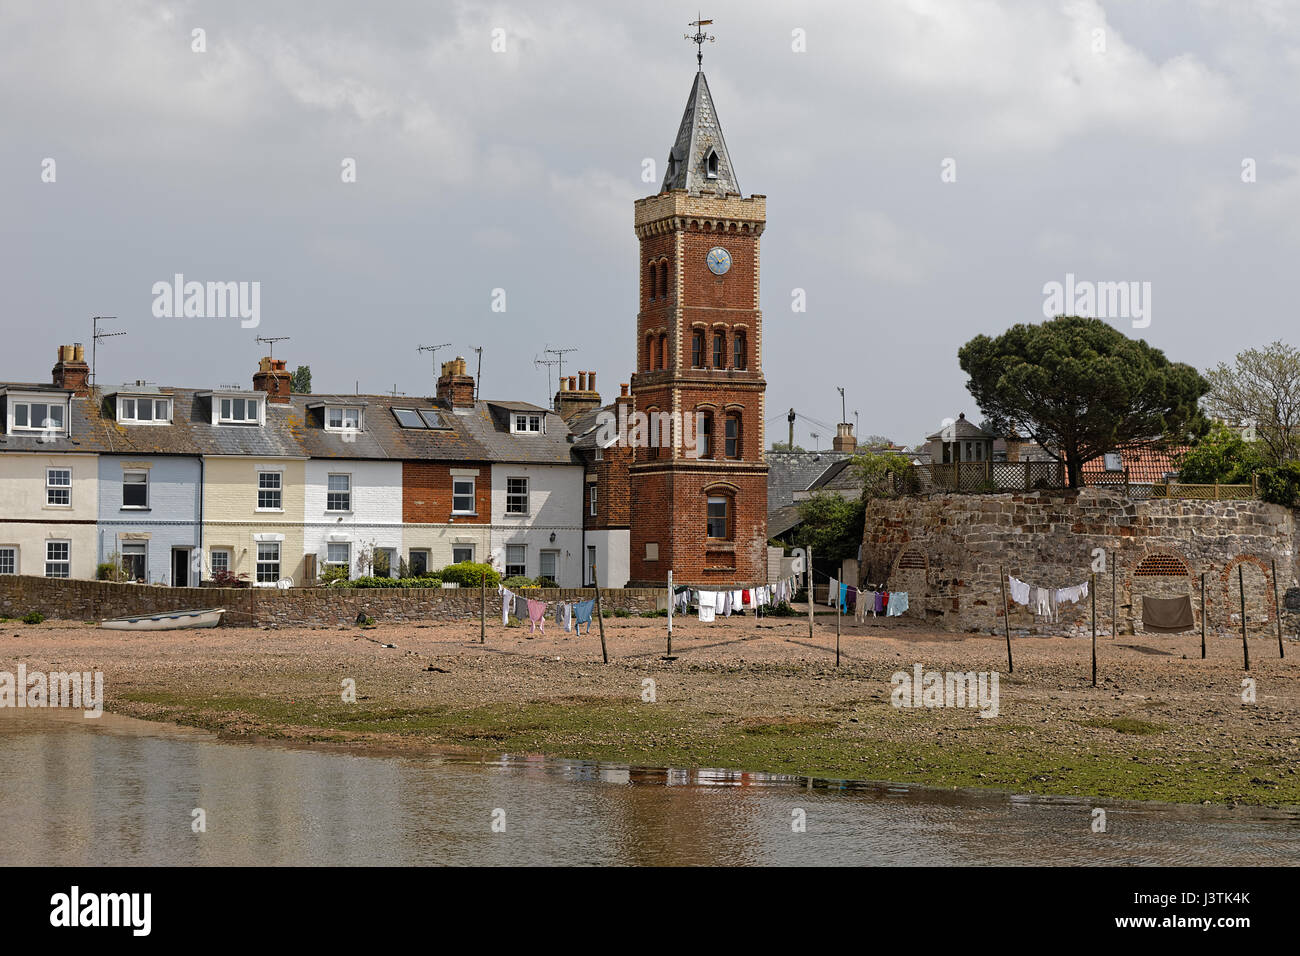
point(180, 567)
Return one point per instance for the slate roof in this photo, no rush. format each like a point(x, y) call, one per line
point(961, 428)
point(296, 430)
point(699, 134)
point(791, 471)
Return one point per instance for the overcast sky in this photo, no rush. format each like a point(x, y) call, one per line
point(1105, 140)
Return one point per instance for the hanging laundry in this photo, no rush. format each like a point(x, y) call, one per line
point(536, 616)
point(832, 590)
point(1019, 590)
point(1167, 615)
point(897, 603)
point(882, 598)
point(582, 614)
point(507, 602)
point(707, 612)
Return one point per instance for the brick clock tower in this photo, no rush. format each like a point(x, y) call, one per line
point(700, 349)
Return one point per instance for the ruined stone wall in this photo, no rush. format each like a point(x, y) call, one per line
point(947, 550)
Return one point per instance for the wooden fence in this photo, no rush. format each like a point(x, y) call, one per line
point(974, 477)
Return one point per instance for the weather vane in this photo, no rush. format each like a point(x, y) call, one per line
point(698, 38)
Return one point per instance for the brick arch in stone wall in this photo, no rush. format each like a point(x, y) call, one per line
point(1160, 572)
point(1257, 577)
point(910, 572)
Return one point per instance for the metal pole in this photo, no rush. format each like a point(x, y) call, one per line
point(1093, 589)
point(670, 613)
point(600, 616)
point(1277, 610)
point(1006, 617)
point(1202, 615)
point(811, 588)
point(1245, 648)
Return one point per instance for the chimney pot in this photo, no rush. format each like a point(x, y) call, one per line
point(582, 381)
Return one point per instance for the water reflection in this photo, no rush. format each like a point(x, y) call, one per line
point(118, 791)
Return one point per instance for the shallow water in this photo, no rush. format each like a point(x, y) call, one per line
point(119, 791)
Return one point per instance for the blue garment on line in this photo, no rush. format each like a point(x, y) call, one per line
point(844, 597)
point(582, 613)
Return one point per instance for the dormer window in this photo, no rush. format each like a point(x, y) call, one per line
point(527, 424)
point(39, 416)
point(341, 419)
point(711, 163)
point(144, 411)
point(1113, 461)
point(240, 411)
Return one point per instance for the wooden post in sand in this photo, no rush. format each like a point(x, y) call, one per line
point(1006, 616)
point(482, 607)
point(837, 623)
point(811, 587)
point(599, 616)
point(1245, 648)
point(1202, 615)
point(1114, 593)
point(670, 614)
point(1277, 610)
point(1093, 589)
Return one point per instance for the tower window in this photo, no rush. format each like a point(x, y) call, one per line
point(719, 350)
point(711, 164)
point(663, 278)
point(740, 358)
point(654, 280)
point(732, 449)
point(697, 350)
point(649, 352)
point(663, 351)
point(718, 524)
point(706, 435)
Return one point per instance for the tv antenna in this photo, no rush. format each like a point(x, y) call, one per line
point(96, 335)
point(395, 391)
point(434, 350)
point(270, 342)
point(548, 363)
point(559, 354)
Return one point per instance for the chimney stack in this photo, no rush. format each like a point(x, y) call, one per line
point(71, 371)
point(455, 384)
point(844, 440)
point(272, 377)
point(577, 394)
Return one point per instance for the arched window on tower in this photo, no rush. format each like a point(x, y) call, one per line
point(711, 164)
point(697, 349)
point(663, 351)
point(653, 284)
point(663, 278)
point(740, 352)
point(720, 518)
point(719, 350)
point(649, 353)
point(706, 434)
point(731, 447)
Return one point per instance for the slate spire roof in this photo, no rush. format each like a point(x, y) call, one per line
point(698, 161)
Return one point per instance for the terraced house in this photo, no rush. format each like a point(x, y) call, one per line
point(177, 484)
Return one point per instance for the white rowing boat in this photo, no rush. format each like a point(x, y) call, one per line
point(166, 620)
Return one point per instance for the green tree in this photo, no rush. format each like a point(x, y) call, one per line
point(1220, 456)
point(1261, 389)
point(1080, 388)
point(883, 474)
point(831, 526)
point(300, 381)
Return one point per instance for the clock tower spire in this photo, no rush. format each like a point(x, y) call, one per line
point(699, 480)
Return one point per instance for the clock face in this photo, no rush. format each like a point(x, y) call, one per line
point(719, 260)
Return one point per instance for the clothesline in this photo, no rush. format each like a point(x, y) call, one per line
point(1046, 602)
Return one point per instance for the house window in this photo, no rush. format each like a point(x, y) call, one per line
point(144, 410)
point(697, 350)
point(516, 496)
point(591, 500)
point(342, 419)
point(8, 560)
point(58, 486)
point(338, 493)
point(462, 552)
point(548, 565)
point(1113, 461)
point(419, 565)
point(732, 436)
point(516, 560)
point(135, 489)
point(528, 424)
point(134, 561)
point(220, 561)
point(58, 559)
point(239, 411)
point(338, 554)
point(600, 453)
point(269, 487)
point(591, 564)
point(740, 358)
point(717, 517)
point(39, 416)
point(719, 350)
point(268, 562)
point(462, 496)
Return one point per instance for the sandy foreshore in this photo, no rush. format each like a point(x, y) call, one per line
point(747, 694)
